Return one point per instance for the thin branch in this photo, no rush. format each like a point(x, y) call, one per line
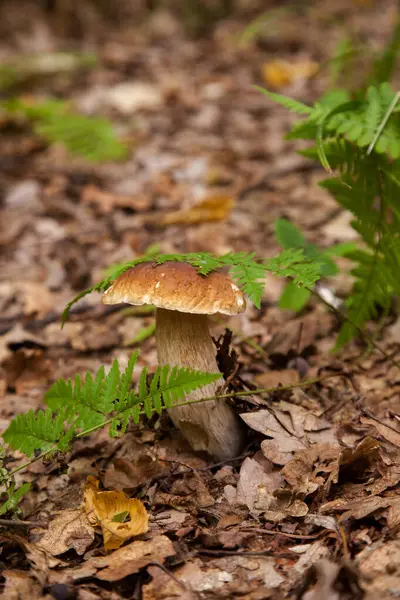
point(171, 575)
point(17, 523)
point(244, 553)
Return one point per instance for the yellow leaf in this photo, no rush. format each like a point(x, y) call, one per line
point(280, 73)
point(212, 208)
point(105, 510)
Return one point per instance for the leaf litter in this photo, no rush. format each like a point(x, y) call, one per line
point(312, 508)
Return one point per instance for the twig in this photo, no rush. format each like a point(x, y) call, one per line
point(154, 563)
point(244, 553)
point(374, 418)
point(344, 542)
point(295, 536)
point(208, 467)
point(14, 523)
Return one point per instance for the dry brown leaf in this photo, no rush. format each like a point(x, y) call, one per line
point(310, 554)
point(280, 73)
point(292, 428)
point(387, 432)
point(277, 378)
point(333, 582)
point(19, 585)
point(309, 469)
point(106, 202)
point(34, 298)
point(379, 563)
point(252, 479)
point(360, 508)
point(69, 529)
point(103, 508)
point(40, 560)
point(125, 561)
point(211, 208)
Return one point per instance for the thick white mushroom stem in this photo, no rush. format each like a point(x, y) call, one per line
point(184, 340)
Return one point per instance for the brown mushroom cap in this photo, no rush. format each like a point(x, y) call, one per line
point(176, 286)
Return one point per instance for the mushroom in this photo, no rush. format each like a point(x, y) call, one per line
point(183, 299)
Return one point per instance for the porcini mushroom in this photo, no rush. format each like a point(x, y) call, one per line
point(183, 299)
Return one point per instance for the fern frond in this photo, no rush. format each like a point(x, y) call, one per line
point(40, 431)
point(289, 103)
point(245, 269)
point(93, 137)
point(292, 263)
point(14, 497)
point(167, 387)
point(84, 405)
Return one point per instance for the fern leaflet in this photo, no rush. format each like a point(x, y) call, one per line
point(79, 407)
point(248, 272)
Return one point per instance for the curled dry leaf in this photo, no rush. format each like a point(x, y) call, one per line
point(109, 510)
point(280, 73)
point(310, 469)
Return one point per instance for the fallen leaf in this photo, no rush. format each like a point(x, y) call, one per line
point(251, 478)
point(125, 561)
point(292, 428)
point(19, 585)
point(277, 378)
point(309, 469)
point(386, 431)
point(361, 508)
point(310, 554)
point(281, 73)
point(212, 208)
point(129, 97)
point(333, 582)
point(104, 508)
point(106, 202)
point(69, 529)
point(379, 564)
point(35, 297)
point(27, 369)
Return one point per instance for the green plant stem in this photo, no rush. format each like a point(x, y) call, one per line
point(216, 397)
point(382, 124)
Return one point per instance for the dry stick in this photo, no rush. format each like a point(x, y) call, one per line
point(17, 523)
point(216, 397)
point(296, 536)
point(171, 575)
point(243, 553)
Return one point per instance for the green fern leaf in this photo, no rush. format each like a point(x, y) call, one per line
point(41, 431)
point(245, 269)
point(92, 138)
point(14, 498)
point(289, 103)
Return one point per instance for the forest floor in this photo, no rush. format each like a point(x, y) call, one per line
point(319, 481)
